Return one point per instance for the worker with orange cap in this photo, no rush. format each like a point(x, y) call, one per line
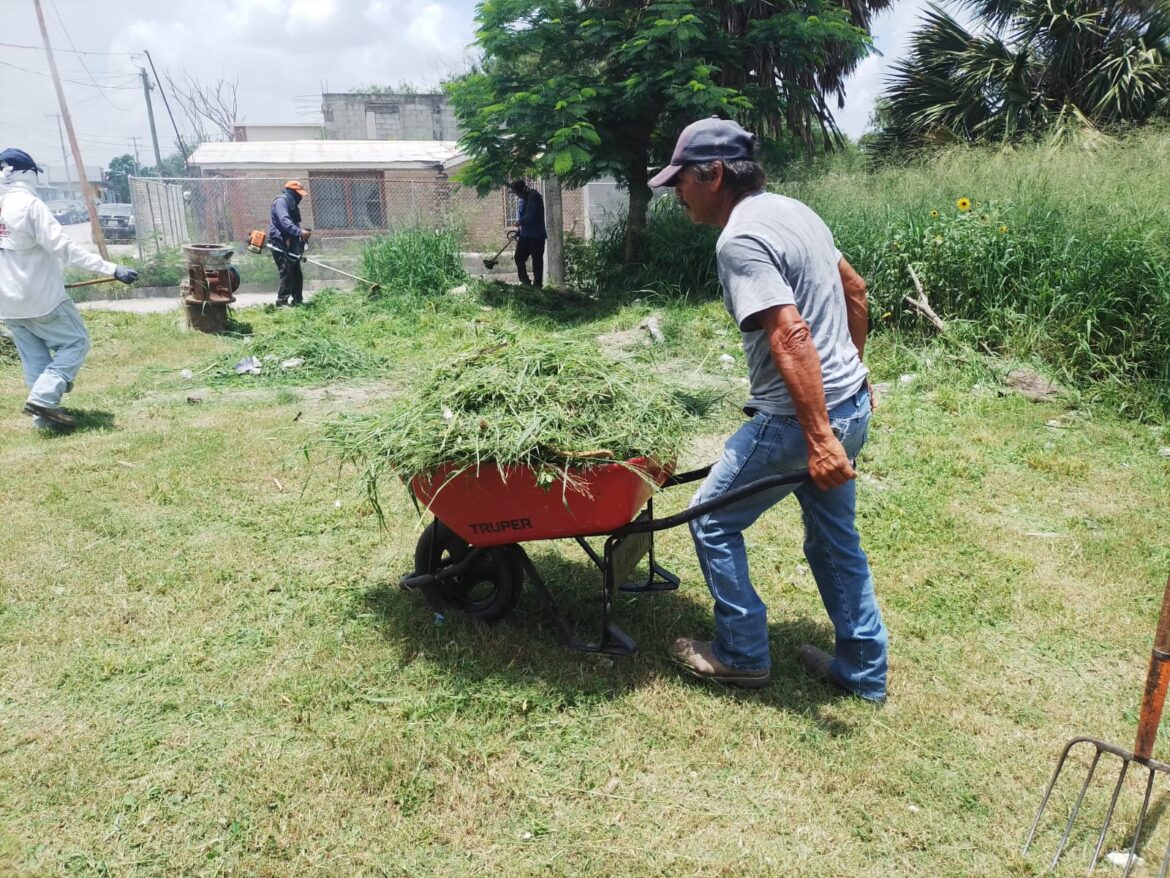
point(286, 239)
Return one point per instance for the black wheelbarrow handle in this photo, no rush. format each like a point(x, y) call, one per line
point(733, 496)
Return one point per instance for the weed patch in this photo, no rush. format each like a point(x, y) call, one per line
point(414, 262)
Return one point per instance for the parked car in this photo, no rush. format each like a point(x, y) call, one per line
point(117, 222)
point(66, 212)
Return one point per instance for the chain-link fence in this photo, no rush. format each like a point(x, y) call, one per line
point(344, 208)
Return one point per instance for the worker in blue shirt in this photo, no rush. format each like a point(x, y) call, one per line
point(287, 239)
point(531, 233)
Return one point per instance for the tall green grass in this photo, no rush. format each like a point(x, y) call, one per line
point(415, 261)
point(1064, 254)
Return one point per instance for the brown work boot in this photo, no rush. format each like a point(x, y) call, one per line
point(697, 659)
point(818, 663)
point(58, 417)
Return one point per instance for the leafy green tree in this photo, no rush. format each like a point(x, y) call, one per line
point(118, 175)
point(1029, 67)
point(585, 90)
point(172, 166)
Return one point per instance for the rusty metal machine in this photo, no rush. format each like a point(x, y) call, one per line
point(210, 285)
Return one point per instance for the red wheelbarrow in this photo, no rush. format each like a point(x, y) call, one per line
point(469, 559)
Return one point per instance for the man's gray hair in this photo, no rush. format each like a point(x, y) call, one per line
point(739, 176)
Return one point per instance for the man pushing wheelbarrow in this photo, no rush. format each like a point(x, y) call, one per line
point(801, 310)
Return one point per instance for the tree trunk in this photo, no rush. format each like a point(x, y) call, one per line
point(555, 226)
point(638, 178)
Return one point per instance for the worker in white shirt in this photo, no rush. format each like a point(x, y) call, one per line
point(48, 330)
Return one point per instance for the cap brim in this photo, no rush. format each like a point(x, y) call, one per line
point(665, 177)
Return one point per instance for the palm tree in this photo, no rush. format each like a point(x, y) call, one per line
point(1028, 67)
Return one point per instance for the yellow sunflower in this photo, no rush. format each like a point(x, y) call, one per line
point(963, 204)
point(934, 214)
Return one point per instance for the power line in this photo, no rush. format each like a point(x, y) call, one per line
point(73, 52)
point(69, 39)
point(71, 81)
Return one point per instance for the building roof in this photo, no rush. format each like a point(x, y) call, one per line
point(321, 154)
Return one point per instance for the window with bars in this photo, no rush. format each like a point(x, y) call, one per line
point(347, 202)
point(511, 208)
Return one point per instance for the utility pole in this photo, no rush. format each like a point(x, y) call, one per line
point(167, 104)
point(86, 189)
point(146, 87)
point(64, 154)
point(134, 140)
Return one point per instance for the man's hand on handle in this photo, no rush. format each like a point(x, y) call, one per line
point(828, 464)
point(305, 234)
point(125, 274)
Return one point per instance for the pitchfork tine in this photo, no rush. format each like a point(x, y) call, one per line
point(1165, 861)
point(1108, 817)
point(1076, 809)
point(1048, 791)
point(1137, 833)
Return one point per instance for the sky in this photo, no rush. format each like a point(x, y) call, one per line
point(284, 53)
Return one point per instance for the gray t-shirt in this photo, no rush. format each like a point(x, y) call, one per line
point(777, 251)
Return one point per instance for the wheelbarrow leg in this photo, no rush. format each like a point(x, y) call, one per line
point(658, 578)
point(613, 640)
point(627, 551)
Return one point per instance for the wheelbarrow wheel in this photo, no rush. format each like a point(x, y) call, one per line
point(488, 590)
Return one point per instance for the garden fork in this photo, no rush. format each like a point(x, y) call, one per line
point(1153, 700)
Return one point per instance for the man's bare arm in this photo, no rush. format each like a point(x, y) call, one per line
point(796, 357)
point(856, 305)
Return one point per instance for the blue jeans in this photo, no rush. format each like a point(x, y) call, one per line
point(52, 350)
point(768, 445)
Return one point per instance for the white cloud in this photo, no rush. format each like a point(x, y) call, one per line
point(891, 31)
point(282, 51)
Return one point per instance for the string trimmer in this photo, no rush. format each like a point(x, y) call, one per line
point(301, 257)
point(491, 261)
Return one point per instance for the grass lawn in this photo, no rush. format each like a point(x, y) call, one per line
point(206, 667)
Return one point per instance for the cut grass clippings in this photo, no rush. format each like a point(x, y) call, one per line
point(553, 405)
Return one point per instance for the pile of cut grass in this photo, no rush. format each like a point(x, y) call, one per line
point(555, 406)
point(325, 356)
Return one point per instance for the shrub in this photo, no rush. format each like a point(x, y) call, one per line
point(679, 259)
point(415, 261)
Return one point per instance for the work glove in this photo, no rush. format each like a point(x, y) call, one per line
point(124, 274)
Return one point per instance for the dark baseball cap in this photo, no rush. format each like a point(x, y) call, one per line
point(19, 160)
point(706, 141)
